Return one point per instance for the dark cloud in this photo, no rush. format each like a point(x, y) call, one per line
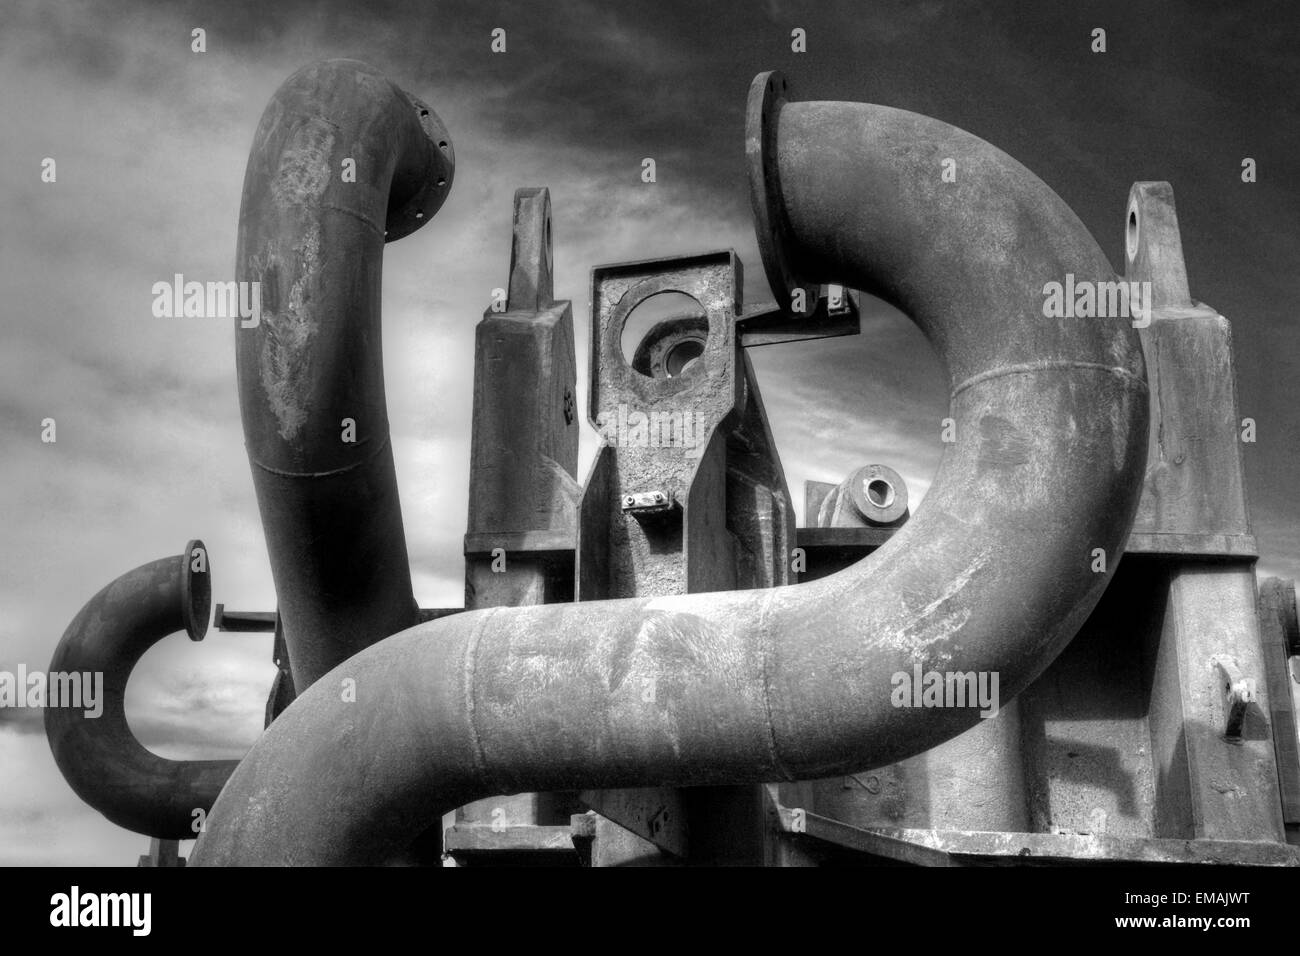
point(23, 720)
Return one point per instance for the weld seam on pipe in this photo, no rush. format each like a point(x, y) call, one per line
point(767, 655)
point(795, 680)
point(469, 668)
point(361, 463)
point(1028, 368)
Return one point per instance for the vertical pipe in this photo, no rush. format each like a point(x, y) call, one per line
point(342, 162)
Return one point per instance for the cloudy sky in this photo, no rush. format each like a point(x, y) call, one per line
point(151, 140)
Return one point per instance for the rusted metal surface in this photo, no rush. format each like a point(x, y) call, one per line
point(1195, 483)
point(992, 574)
point(836, 314)
point(314, 240)
point(522, 524)
point(1212, 750)
point(982, 848)
point(655, 814)
point(1210, 786)
point(468, 839)
point(873, 495)
point(662, 436)
point(1085, 749)
point(974, 781)
point(1280, 631)
point(524, 447)
point(99, 756)
point(1191, 544)
point(1238, 694)
point(696, 426)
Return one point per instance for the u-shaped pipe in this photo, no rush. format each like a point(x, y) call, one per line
point(99, 756)
point(994, 573)
point(343, 161)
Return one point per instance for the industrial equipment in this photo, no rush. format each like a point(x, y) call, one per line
point(654, 665)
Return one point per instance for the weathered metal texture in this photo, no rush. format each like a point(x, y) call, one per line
point(523, 458)
point(1085, 742)
point(872, 495)
point(1209, 785)
point(659, 353)
point(691, 498)
point(520, 845)
point(314, 240)
point(787, 683)
point(1280, 631)
point(662, 436)
point(823, 551)
point(1117, 740)
point(524, 438)
point(836, 314)
point(1195, 484)
point(975, 781)
point(926, 847)
point(99, 756)
point(282, 690)
point(615, 844)
point(699, 439)
point(657, 815)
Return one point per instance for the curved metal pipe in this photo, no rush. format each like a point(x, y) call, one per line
point(992, 574)
point(99, 756)
point(342, 162)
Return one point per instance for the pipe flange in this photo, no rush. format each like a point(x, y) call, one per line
point(878, 493)
point(772, 226)
point(196, 590)
point(416, 195)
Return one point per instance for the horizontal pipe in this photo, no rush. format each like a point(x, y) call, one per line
point(99, 756)
point(994, 573)
point(342, 162)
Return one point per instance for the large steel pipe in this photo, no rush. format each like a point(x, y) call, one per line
point(99, 756)
point(342, 162)
point(993, 574)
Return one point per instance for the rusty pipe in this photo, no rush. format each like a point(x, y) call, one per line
point(993, 574)
point(342, 162)
point(99, 756)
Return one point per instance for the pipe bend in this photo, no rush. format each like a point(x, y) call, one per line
point(99, 756)
point(992, 574)
point(342, 162)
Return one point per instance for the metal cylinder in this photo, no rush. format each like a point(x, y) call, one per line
point(871, 495)
point(343, 161)
point(993, 574)
point(99, 756)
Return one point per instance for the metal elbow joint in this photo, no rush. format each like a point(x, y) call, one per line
point(98, 755)
point(343, 161)
point(994, 572)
